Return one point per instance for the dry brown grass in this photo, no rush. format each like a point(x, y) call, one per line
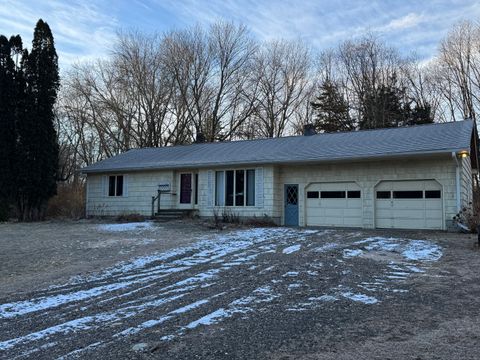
point(69, 202)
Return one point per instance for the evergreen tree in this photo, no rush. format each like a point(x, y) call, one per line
point(7, 125)
point(384, 107)
point(421, 114)
point(332, 110)
point(37, 142)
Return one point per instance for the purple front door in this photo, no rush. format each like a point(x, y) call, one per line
point(185, 188)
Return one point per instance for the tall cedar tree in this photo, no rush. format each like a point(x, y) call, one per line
point(332, 110)
point(7, 124)
point(37, 152)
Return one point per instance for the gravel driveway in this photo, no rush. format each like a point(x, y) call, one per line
point(267, 293)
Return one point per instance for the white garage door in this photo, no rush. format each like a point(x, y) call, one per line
point(408, 205)
point(334, 204)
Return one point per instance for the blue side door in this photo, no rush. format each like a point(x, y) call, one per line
point(291, 205)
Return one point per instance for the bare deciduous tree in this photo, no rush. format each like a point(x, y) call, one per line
point(282, 70)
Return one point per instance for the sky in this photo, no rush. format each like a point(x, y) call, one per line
point(86, 29)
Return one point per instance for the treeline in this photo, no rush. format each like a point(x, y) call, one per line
point(165, 89)
point(28, 141)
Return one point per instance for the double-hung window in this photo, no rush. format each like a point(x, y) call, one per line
point(235, 188)
point(115, 185)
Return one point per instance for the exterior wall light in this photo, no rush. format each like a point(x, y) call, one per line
point(463, 154)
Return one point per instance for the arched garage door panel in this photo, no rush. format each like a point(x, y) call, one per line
point(334, 204)
point(409, 205)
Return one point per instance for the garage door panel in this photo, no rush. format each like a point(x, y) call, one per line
point(384, 223)
point(344, 212)
point(333, 203)
point(433, 224)
point(351, 213)
point(408, 204)
point(400, 223)
point(433, 205)
point(409, 213)
point(433, 214)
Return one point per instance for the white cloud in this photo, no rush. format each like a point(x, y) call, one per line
point(82, 30)
point(85, 29)
point(404, 22)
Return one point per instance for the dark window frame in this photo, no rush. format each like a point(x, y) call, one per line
point(196, 189)
point(352, 194)
point(383, 195)
point(407, 194)
point(433, 194)
point(313, 194)
point(333, 194)
point(249, 198)
point(116, 185)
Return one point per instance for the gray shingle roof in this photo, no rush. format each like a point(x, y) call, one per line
point(415, 140)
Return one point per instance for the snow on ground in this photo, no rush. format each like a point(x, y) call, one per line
point(167, 291)
point(360, 298)
point(135, 226)
point(291, 249)
point(422, 250)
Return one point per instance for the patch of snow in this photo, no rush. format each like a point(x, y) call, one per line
point(422, 250)
point(290, 273)
point(65, 328)
point(327, 247)
point(291, 249)
point(294, 286)
point(323, 298)
point(209, 319)
point(189, 307)
point(135, 226)
point(399, 273)
point(349, 253)
point(365, 299)
point(10, 310)
point(415, 269)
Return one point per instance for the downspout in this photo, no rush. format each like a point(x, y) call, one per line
point(457, 181)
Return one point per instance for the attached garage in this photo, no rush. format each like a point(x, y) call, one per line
point(409, 204)
point(334, 204)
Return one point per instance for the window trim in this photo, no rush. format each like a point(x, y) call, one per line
point(116, 176)
point(245, 184)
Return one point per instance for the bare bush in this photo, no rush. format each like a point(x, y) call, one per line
point(69, 201)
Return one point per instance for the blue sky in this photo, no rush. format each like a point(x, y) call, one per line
point(85, 29)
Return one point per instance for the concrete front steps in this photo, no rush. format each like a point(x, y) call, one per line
point(173, 214)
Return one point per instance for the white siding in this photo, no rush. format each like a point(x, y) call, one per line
point(368, 174)
point(138, 191)
point(466, 183)
point(263, 202)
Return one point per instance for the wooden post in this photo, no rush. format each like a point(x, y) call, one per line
point(158, 204)
point(153, 206)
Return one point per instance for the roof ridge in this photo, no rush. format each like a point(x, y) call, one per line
point(300, 136)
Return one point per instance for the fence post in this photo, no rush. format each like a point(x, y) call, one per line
point(158, 205)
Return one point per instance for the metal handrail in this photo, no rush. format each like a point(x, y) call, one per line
point(165, 190)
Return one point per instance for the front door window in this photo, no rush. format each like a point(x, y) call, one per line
point(185, 188)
